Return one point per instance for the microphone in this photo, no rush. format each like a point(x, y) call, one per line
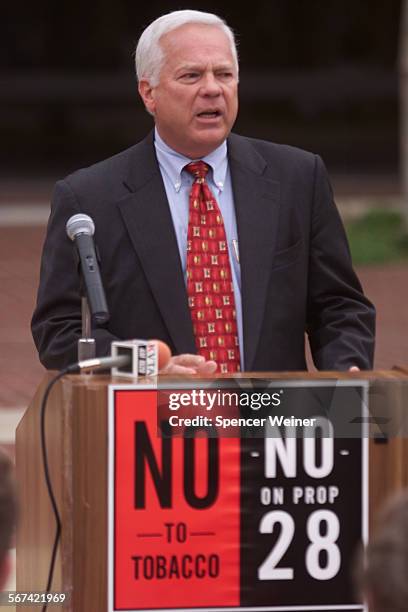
point(146, 357)
point(130, 358)
point(99, 363)
point(80, 229)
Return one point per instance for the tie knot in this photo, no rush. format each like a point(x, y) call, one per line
point(198, 169)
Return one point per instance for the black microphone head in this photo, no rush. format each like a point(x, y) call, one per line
point(79, 224)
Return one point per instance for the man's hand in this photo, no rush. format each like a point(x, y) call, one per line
point(187, 365)
point(354, 369)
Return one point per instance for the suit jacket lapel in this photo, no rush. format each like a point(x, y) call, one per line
point(257, 209)
point(148, 220)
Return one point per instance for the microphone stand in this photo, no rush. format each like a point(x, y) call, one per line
point(86, 344)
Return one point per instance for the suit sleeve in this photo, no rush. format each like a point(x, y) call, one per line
point(340, 319)
point(56, 322)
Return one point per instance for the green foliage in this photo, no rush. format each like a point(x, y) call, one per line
point(378, 237)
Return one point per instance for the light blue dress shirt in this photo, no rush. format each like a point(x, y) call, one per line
point(177, 183)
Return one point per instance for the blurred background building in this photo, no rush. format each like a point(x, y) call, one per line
point(319, 75)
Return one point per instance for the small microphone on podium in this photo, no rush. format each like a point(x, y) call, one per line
point(100, 363)
point(130, 358)
point(80, 229)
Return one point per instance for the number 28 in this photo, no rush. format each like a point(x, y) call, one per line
point(268, 570)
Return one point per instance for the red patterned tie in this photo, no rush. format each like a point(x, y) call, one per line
point(209, 280)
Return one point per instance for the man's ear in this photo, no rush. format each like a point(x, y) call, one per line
point(146, 92)
point(5, 570)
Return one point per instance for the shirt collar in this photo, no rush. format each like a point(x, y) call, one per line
point(172, 163)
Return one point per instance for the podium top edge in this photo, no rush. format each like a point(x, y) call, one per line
point(97, 380)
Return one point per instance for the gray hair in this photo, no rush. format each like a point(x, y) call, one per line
point(149, 56)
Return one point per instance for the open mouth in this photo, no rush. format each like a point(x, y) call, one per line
point(209, 114)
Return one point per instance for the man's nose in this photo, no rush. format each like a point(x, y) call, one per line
point(210, 85)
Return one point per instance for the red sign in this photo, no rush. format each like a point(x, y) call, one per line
point(176, 513)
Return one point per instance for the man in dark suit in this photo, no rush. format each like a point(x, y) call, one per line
point(283, 247)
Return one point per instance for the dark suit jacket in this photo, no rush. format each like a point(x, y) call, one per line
point(295, 264)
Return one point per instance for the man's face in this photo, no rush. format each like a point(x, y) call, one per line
point(195, 103)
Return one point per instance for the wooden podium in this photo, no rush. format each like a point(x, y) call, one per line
point(77, 445)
